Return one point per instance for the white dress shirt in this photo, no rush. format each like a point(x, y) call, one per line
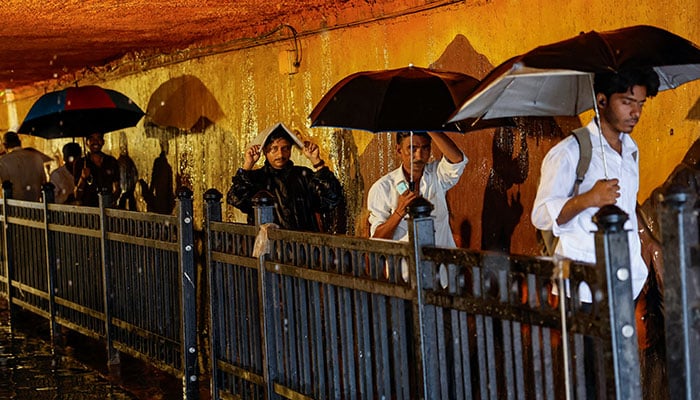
point(576, 239)
point(438, 177)
point(64, 184)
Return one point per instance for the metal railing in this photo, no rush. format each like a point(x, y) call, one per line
point(321, 316)
point(306, 315)
point(679, 218)
point(124, 277)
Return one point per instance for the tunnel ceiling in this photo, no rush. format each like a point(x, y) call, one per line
point(53, 40)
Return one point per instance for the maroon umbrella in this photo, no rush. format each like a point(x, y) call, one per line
point(79, 112)
point(399, 100)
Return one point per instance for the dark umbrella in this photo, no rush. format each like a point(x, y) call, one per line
point(557, 79)
point(79, 112)
point(410, 99)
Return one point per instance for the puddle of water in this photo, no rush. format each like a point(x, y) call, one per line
point(29, 370)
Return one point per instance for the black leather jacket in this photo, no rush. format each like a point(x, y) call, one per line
point(299, 193)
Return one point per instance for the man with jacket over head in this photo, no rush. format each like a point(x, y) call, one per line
point(299, 193)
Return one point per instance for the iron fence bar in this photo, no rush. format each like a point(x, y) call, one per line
point(612, 249)
point(188, 295)
point(107, 290)
point(7, 235)
point(421, 233)
point(212, 213)
point(263, 206)
point(681, 293)
point(47, 190)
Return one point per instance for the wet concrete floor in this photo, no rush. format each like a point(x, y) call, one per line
point(76, 370)
point(29, 369)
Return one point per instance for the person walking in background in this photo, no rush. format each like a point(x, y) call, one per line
point(24, 168)
point(97, 171)
point(390, 195)
point(299, 193)
point(63, 178)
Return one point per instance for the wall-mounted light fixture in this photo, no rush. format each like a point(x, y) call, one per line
point(290, 59)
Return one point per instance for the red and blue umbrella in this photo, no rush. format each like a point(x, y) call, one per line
point(80, 112)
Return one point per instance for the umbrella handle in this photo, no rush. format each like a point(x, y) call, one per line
point(596, 118)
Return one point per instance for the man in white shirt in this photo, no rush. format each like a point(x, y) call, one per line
point(620, 98)
point(63, 177)
point(23, 167)
point(390, 195)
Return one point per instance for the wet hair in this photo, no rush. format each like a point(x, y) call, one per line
point(11, 139)
point(401, 135)
point(71, 150)
point(623, 80)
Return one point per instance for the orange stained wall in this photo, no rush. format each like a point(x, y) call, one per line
point(243, 91)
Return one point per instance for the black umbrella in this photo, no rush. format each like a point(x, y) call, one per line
point(79, 112)
point(557, 79)
point(410, 99)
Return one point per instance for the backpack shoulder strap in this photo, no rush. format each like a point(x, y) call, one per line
point(583, 137)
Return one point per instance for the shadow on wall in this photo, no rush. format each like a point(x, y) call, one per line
point(508, 161)
point(128, 176)
point(504, 210)
point(694, 112)
point(179, 106)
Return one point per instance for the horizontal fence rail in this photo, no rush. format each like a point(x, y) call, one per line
point(123, 277)
point(304, 315)
point(307, 315)
point(495, 328)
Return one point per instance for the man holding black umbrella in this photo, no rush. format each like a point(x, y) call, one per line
point(620, 97)
point(391, 194)
point(99, 171)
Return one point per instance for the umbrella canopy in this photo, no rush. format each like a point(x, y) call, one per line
point(399, 100)
point(79, 112)
point(557, 79)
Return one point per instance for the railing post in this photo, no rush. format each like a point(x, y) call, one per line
point(681, 277)
point(188, 300)
point(612, 250)
point(421, 233)
point(47, 190)
point(212, 213)
point(263, 204)
point(112, 353)
point(7, 235)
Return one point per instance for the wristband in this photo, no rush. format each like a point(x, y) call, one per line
point(319, 164)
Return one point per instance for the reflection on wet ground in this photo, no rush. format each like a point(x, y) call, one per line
point(76, 370)
point(29, 370)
